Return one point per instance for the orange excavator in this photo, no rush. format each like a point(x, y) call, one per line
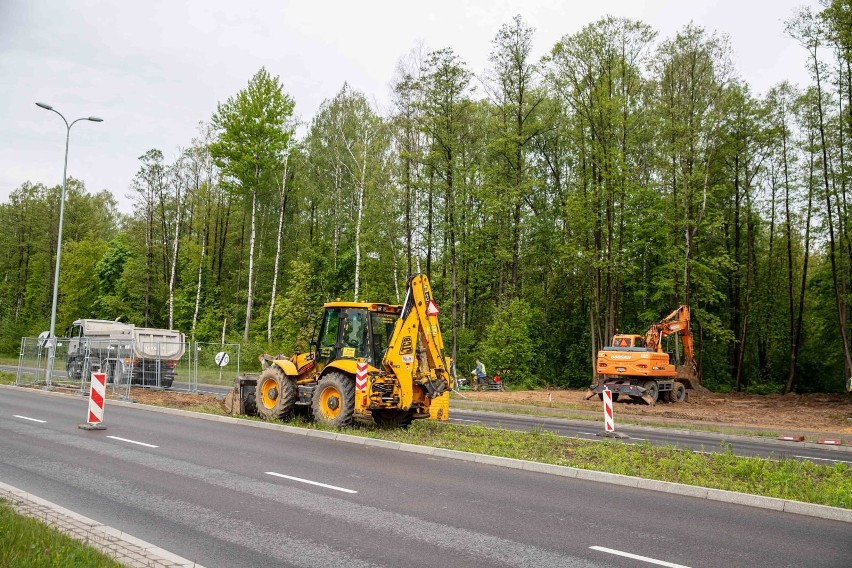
point(637, 366)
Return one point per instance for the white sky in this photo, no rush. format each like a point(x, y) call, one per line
point(153, 69)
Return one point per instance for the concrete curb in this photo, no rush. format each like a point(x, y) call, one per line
point(121, 547)
point(773, 503)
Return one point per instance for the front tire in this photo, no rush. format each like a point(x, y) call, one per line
point(275, 394)
point(334, 400)
point(678, 392)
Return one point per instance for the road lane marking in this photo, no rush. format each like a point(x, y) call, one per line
point(308, 481)
point(462, 420)
point(822, 459)
point(30, 419)
point(133, 442)
point(637, 557)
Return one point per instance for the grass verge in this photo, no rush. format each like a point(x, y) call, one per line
point(784, 478)
point(28, 542)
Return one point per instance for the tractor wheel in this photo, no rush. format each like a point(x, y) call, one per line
point(666, 396)
point(249, 402)
point(678, 392)
point(651, 390)
point(393, 418)
point(614, 396)
point(334, 400)
point(275, 394)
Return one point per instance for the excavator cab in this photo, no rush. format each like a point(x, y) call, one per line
point(354, 331)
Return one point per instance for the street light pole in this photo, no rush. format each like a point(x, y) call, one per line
point(51, 338)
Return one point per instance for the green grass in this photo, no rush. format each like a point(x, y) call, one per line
point(26, 542)
point(7, 378)
point(778, 477)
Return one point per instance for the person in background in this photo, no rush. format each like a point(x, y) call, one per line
point(479, 373)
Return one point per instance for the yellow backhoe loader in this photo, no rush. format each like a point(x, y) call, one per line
point(368, 359)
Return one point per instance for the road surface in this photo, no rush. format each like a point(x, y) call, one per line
point(232, 495)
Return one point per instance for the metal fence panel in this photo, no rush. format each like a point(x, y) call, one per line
point(216, 363)
point(166, 365)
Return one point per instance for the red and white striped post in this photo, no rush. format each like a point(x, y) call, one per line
point(361, 377)
point(609, 421)
point(97, 396)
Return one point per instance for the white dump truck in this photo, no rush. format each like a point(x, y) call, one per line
point(126, 353)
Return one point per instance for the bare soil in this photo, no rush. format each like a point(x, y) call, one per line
point(785, 414)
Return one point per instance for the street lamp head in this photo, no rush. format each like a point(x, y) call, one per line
point(44, 105)
point(95, 119)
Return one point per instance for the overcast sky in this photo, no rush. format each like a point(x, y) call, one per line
point(153, 69)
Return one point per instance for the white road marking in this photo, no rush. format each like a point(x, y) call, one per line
point(30, 419)
point(637, 557)
point(133, 442)
point(822, 459)
point(308, 481)
point(462, 420)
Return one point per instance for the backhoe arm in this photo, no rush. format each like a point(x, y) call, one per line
point(415, 353)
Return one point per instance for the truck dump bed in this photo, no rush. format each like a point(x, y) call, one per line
point(161, 344)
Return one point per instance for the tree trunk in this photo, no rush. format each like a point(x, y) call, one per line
point(250, 289)
point(277, 250)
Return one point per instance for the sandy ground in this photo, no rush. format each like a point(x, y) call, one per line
point(787, 414)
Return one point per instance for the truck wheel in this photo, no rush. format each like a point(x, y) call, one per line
point(651, 390)
point(393, 418)
point(678, 392)
point(334, 400)
point(275, 394)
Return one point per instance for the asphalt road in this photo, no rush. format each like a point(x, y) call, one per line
point(590, 430)
point(694, 440)
point(231, 495)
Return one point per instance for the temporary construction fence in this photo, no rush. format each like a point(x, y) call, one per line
point(159, 365)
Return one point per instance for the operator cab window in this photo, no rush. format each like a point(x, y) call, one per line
point(355, 343)
point(328, 336)
point(383, 325)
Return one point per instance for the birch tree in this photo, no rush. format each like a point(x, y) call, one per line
point(252, 137)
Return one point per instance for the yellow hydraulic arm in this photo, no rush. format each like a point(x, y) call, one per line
point(415, 353)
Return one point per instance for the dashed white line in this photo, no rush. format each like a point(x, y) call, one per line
point(462, 420)
point(822, 459)
point(30, 419)
point(637, 557)
point(133, 442)
point(308, 481)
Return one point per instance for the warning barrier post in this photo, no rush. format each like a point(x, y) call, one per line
point(97, 396)
point(609, 419)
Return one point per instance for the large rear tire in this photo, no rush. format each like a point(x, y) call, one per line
point(393, 418)
point(275, 394)
point(334, 400)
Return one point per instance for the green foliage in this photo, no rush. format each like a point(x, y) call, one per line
point(550, 203)
point(508, 343)
point(296, 311)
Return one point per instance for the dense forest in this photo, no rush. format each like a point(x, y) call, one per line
point(551, 202)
